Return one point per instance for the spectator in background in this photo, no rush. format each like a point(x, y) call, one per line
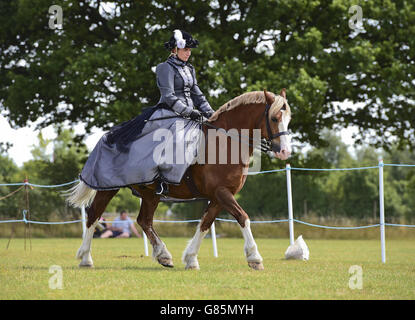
point(121, 227)
point(101, 227)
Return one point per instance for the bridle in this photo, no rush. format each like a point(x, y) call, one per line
point(266, 143)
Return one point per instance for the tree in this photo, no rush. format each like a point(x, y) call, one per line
point(353, 194)
point(402, 181)
point(98, 68)
point(191, 210)
point(10, 206)
point(63, 165)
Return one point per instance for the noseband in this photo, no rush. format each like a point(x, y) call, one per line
point(267, 144)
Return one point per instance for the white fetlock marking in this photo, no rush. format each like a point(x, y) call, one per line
point(84, 252)
point(250, 247)
point(160, 251)
point(191, 262)
point(189, 257)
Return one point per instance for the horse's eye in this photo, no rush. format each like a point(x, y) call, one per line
point(284, 107)
point(274, 119)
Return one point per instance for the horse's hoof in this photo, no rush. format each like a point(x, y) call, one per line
point(165, 262)
point(192, 267)
point(89, 266)
point(256, 265)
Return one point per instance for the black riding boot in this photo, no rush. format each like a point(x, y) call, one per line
point(162, 188)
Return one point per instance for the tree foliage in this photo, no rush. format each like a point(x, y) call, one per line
point(98, 69)
point(10, 206)
point(353, 194)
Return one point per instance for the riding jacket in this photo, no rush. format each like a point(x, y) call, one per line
point(178, 86)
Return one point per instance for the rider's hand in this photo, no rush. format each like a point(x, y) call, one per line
point(195, 115)
point(208, 114)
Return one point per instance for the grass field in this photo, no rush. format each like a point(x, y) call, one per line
point(123, 272)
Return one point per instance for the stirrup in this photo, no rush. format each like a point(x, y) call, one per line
point(162, 188)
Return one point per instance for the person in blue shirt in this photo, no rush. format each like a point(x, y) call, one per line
point(121, 227)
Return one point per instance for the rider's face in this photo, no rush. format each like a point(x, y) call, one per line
point(184, 54)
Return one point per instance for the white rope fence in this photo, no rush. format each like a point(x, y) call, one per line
point(290, 219)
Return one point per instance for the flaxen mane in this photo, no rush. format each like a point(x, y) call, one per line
point(245, 99)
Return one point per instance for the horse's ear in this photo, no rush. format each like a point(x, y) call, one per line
point(282, 93)
point(268, 97)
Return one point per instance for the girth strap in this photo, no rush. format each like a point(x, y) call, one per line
point(188, 179)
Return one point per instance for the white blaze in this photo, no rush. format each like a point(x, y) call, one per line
point(285, 139)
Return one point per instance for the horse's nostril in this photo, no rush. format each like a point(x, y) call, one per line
point(285, 153)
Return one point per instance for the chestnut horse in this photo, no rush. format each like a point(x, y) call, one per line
point(219, 183)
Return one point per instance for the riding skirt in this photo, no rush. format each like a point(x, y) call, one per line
point(158, 144)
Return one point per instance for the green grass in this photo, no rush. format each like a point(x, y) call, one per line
point(123, 272)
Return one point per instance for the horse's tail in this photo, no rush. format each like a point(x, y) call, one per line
point(80, 195)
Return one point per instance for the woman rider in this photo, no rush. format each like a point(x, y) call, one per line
point(126, 155)
point(176, 80)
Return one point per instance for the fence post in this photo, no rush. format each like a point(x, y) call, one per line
point(382, 212)
point(213, 233)
point(83, 215)
point(290, 203)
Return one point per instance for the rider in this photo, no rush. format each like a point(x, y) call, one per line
point(128, 154)
point(176, 80)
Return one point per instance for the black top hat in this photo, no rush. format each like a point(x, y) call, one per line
point(181, 39)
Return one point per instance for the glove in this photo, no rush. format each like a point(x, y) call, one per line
point(208, 114)
point(195, 115)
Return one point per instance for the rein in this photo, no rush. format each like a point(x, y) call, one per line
point(266, 143)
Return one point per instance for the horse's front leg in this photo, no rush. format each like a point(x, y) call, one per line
point(228, 202)
point(251, 251)
point(145, 220)
point(189, 257)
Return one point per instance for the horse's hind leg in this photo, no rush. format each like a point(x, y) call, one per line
point(101, 200)
point(145, 220)
point(189, 257)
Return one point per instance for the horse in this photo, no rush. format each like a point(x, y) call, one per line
point(219, 183)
